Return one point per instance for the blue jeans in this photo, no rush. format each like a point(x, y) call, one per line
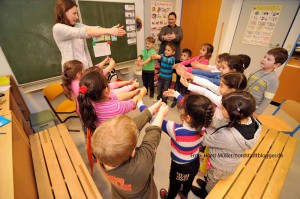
point(213, 77)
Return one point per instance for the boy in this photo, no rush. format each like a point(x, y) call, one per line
point(263, 83)
point(166, 69)
point(185, 55)
point(130, 170)
point(144, 59)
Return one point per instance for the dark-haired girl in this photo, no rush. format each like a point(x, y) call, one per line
point(228, 143)
point(185, 142)
point(96, 104)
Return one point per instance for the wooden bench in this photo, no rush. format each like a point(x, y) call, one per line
point(59, 169)
point(256, 176)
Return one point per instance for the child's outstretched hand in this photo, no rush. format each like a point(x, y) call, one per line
point(184, 82)
point(155, 107)
point(188, 76)
point(135, 83)
point(169, 93)
point(112, 62)
point(143, 92)
point(164, 109)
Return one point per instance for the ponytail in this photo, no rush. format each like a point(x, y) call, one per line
point(70, 71)
point(239, 105)
point(92, 87)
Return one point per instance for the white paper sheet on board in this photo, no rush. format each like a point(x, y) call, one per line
point(102, 49)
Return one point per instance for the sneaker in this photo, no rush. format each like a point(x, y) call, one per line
point(201, 182)
point(151, 96)
point(201, 193)
point(182, 196)
point(163, 193)
point(173, 104)
point(154, 101)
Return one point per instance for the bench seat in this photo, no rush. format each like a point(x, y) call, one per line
point(261, 175)
point(59, 169)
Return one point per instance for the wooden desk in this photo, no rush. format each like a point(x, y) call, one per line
point(59, 169)
point(260, 177)
point(16, 168)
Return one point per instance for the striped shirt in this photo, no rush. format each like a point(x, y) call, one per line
point(184, 141)
point(166, 67)
point(111, 108)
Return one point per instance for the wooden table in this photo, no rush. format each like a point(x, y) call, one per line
point(263, 174)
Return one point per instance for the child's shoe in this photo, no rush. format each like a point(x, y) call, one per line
point(201, 183)
point(163, 193)
point(173, 104)
point(151, 95)
point(201, 193)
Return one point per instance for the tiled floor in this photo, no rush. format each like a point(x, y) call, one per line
point(162, 165)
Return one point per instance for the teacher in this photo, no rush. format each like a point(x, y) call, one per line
point(70, 35)
point(171, 33)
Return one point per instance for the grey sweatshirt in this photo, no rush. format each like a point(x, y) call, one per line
point(71, 43)
point(227, 146)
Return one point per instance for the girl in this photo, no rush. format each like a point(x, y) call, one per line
point(73, 71)
point(203, 57)
point(228, 143)
point(96, 104)
point(231, 63)
point(230, 82)
point(185, 141)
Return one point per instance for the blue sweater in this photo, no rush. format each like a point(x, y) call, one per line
point(166, 67)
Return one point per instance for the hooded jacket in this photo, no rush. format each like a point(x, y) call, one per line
point(227, 145)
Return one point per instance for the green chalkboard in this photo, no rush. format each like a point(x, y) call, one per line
point(108, 14)
point(26, 39)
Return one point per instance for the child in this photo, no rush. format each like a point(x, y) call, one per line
point(230, 82)
point(232, 63)
point(165, 73)
point(144, 59)
point(130, 170)
point(96, 104)
point(227, 144)
point(185, 141)
point(211, 68)
point(185, 55)
point(263, 83)
point(73, 71)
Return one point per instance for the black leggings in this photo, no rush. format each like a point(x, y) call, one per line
point(181, 177)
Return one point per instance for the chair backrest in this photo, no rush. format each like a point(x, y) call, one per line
point(292, 108)
point(52, 91)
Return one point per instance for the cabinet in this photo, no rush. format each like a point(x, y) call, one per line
point(199, 21)
point(290, 78)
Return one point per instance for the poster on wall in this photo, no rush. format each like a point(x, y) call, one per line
point(130, 24)
point(159, 18)
point(261, 24)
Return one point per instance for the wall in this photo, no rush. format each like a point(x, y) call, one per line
point(35, 99)
point(230, 10)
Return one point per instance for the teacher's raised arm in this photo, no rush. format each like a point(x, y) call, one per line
point(70, 35)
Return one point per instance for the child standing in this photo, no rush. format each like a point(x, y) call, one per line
point(263, 84)
point(166, 68)
point(185, 55)
point(96, 104)
point(240, 134)
point(144, 59)
point(185, 141)
point(130, 170)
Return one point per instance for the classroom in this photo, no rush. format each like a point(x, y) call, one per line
point(34, 136)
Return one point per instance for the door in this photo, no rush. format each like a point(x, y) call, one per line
point(287, 14)
point(198, 21)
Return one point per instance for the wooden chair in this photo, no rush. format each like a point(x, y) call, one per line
point(292, 108)
point(66, 107)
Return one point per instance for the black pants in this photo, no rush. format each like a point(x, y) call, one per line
point(181, 177)
point(148, 81)
point(163, 85)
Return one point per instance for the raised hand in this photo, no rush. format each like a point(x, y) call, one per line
point(188, 75)
point(155, 107)
point(184, 82)
point(117, 30)
point(169, 93)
